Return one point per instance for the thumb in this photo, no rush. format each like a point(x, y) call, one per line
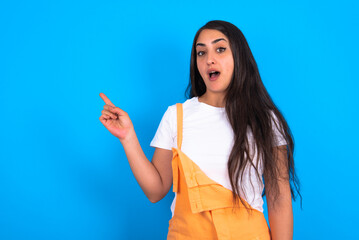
point(116, 110)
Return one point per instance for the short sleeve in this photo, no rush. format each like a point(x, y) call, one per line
point(166, 131)
point(279, 139)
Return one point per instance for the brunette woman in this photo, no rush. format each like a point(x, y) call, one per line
point(217, 147)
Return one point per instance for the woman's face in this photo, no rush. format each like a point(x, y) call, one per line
point(214, 60)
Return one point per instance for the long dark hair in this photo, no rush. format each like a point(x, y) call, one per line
point(248, 105)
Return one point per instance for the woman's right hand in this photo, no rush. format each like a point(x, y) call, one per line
point(116, 120)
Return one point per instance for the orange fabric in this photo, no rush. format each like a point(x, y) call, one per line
point(203, 207)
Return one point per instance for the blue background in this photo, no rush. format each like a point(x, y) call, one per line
point(64, 176)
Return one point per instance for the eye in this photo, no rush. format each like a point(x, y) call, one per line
point(221, 49)
point(200, 53)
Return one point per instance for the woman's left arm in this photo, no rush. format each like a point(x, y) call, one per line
point(280, 213)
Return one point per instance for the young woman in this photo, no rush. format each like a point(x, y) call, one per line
point(217, 147)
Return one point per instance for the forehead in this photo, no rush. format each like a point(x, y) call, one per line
point(209, 35)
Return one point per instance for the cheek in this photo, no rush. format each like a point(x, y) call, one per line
point(230, 67)
point(201, 68)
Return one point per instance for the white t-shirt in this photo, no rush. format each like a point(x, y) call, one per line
point(208, 141)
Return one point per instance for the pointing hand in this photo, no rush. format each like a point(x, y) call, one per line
point(116, 120)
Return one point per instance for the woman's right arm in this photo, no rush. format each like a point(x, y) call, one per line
point(155, 178)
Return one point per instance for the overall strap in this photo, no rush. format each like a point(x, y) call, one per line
point(179, 124)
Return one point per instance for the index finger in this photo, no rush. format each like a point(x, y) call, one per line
point(106, 100)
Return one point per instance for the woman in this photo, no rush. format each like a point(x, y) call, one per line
point(216, 147)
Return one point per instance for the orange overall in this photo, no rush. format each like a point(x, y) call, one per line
point(203, 207)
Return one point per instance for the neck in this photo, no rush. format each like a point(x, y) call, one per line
point(215, 100)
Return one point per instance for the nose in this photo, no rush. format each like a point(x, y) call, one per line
point(210, 59)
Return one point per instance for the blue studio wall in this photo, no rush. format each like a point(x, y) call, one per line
point(64, 176)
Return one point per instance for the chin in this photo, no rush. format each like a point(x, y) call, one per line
point(216, 90)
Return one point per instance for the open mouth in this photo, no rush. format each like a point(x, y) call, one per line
point(213, 75)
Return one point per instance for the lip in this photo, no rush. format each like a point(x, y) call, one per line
point(212, 69)
point(213, 78)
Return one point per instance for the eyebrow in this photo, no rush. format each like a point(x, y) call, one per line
point(213, 42)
